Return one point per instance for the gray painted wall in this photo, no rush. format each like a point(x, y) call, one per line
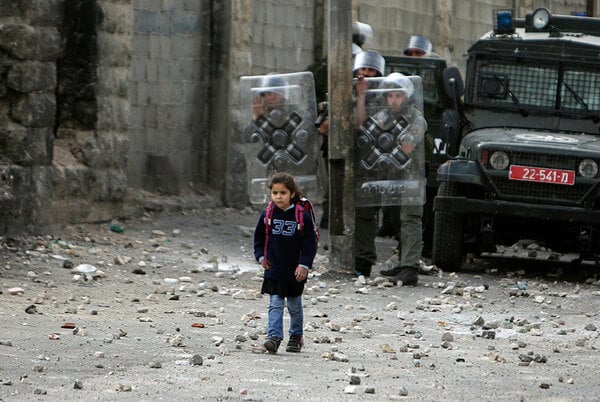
point(169, 93)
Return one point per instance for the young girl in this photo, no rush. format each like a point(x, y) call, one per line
point(289, 255)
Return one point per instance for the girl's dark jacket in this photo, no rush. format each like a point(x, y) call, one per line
point(287, 247)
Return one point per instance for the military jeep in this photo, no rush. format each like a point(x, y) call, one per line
point(528, 136)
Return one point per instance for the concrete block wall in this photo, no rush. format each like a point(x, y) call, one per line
point(169, 92)
point(266, 36)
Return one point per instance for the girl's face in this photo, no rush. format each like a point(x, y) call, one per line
point(281, 196)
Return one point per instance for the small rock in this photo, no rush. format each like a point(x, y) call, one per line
point(16, 291)
point(196, 360)
point(156, 365)
point(123, 388)
point(31, 309)
point(78, 384)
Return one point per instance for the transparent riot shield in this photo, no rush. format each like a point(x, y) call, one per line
point(279, 113)
point(389, 147)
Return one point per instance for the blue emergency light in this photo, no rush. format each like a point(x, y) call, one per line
point(504, 23)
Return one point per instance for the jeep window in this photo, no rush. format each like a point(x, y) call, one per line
point(535, 85)
point(581, 90)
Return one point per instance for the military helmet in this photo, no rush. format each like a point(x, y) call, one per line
point(273, 83)
point(418, 42)
point(361, 32)
point(399, 81)
point(369, 59)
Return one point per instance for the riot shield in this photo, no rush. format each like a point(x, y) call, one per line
point(279, 112)
point(389, 147)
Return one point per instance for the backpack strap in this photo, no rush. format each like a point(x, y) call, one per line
point(268, 222)
point(300, 216)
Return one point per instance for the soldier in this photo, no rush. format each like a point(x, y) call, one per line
point(417, 46)
point(410, 233)
point(366, 64)
point(281, 136)
point(390, 153)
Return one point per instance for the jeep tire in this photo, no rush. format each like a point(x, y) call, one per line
point(448, 233)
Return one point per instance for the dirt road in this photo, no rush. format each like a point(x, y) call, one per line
point(169, 310)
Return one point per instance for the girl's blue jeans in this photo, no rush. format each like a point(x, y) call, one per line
point(276, 305)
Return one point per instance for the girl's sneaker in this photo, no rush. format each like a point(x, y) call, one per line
point(295, 344)
point(272, 344)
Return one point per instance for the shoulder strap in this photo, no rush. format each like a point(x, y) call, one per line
point(268, 221)
point(300, 216)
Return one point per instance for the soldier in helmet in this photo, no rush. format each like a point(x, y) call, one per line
point(399, 107)
point(271, 98)
point(366, 64)
point(417, 46)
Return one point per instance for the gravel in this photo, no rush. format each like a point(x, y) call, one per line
point(168, 308)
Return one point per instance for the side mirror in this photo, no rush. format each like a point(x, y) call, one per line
point(453, 83)
point(450, 130)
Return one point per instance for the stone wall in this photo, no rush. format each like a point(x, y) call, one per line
point(30, 45)
point(63, 111)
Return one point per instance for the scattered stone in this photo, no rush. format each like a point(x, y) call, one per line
point(78, 384)
point(403, 391)
point(16, 291)
point(447, 337)
point(123, 388)
point(388, 349)
point(32, 309)
point(155, 365)
point(84, 269)
point(196, 360)
point(333, 326)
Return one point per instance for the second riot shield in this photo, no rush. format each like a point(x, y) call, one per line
point(389, 146)
point(280, 135)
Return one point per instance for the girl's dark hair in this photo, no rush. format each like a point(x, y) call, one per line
point(289, 182)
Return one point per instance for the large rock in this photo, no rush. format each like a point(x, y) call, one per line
point(36, 109)
point(25, 42)
point(32, 76)
point(26, 146)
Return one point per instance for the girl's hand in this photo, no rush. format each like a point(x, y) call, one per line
point(301, 273)
point(265, 264)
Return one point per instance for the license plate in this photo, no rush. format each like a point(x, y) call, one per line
point(542, 175)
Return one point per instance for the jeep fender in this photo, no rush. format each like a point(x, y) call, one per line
point(460, 171)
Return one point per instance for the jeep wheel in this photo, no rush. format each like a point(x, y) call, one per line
point(448, 233)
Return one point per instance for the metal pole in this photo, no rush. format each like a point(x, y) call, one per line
point(341, 136)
